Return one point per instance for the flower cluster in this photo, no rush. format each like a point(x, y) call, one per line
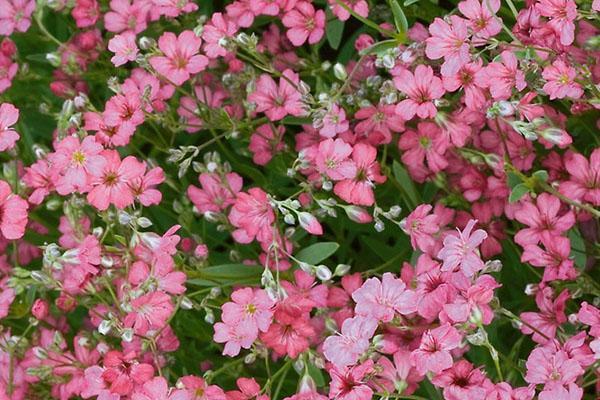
point(299, 200)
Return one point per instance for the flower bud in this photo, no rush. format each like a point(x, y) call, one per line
point(323, 273)
point(310, 223)
point(342, 269)
point(339, 71)
point(40, 309)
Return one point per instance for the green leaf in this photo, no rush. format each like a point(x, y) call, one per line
point(401, 175)
point(409, 2)
point(316, 374)
point(513, 179)
point(399, 17)
point(334, 32)
point(291, 120)
point(317, 252)
point(380, 47)
point(518, 191)
point(578, 251)
point(541, 175)
point(226, 273)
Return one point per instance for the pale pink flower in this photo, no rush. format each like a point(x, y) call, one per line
point(584, 179)
point(559, 392)
point(449, 41)
point(215, 31)
point(216, 192)
point(378, 123)
point(464, 78)
point(347, 347)
point(7, 295)
point(241, 12)
point(426, 143)
point(334, 122)
point(549, 367)
point(278, 101)
point(150, 311)
point(542, 219)
point(144, 187)
point(433, 354)
point(158, 389)
point(15, 15)
point(181, 58)
point(253, 308)
point(381, 300)
point(124, 47)
point(126, 15)
point(304, 24)
point(198, 389)
point(9, 115)
point(422, 88)
point(420, 225)
point(332, 159)
point(461, 250)
point(350, 383)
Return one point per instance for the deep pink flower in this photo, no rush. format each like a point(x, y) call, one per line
point(304, 24)
point(461, 382)
point(543, 324)
point(543, 220)
point(420, 225)
point(378, 123)
point(265, 142)
point(560, 81)
point(123, 372)
point(253, 217)
point(502, 77)
point(482, 18)
point(126, 15)
point(426, 143)
point(561, 15)
point(333, 161)
point(278, 101)
point(359, 189)
point(360, 7)
point(422, 88)
point(290, 334)
point(349, 383)
point(584, 179)
point(86, 13)
point(216, 193)
point(554, 258)
point(150, 311)
point(181, 58)
point(474, 96)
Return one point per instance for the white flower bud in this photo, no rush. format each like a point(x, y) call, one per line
point(323, 273)
point(339, 71)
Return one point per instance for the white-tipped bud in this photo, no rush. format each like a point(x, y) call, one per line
point(323, 272)
point(339, 71)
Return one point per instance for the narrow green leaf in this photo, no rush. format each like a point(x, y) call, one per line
point(334, 32)
point(225, 273)
point(380, 47)
point(317, 252)
point(399, 17)
point(409, 2)
point(407, 184)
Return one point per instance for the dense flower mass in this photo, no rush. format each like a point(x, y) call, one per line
point(299, 200)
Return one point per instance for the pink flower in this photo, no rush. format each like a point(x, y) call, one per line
point(332, 160)
point(584, 179)
point(449, 41)
point(123, 372)
point(158, 389)
point(150, 311)
point(482, 18)
point(9, 115)
point(561, 83)
point(542, 219)
point(13, 213)
point(126, 15)
point(346, 348)
point(433, 354)
point(378, 123)
point(421, 226)
point(360, 7)
point(7, 295)
point(249, 307)
point(359, 189)
point(181, 58)
point(144, 187)
point(278, 101)
point(561, 15)
point(253, 217)
point(304, 23)
point(235, 337)
point(427, 143)
point(502, 77)
point(334, 122)
point(217, 29)
point(422, 88)
point(291, 332)
point(86, 13)
point(461, 382)
point(266, 142)
point(349, 383)
point(474, 96)
point(554, 258)
point(111, 186)
point(216, 192)
point(15, 15)
point(124, 47)
point(558, 392)
point(460, 250)
point(381, 300)
point(549, 367)
point(543, 325)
